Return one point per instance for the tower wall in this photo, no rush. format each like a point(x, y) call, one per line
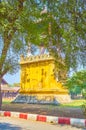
point(37, 76)
point(38, 81)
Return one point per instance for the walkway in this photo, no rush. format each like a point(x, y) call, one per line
point(9, 123)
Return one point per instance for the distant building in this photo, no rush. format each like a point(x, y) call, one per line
point(4, 83)
point(8, 92)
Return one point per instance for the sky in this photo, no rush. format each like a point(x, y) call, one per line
point(11, 79)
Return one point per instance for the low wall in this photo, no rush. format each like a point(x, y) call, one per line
point(51, 119)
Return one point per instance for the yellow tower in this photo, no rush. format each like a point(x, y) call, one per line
point(38, 79)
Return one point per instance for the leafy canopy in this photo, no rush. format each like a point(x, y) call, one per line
point(61, 29)
point(77, 80)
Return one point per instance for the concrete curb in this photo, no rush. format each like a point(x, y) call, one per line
point(43, 118)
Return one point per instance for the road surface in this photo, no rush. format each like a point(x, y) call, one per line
point(9, 123)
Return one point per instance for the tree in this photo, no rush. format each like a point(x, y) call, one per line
point(77, 82)
point(13, 38)
point(61, 29)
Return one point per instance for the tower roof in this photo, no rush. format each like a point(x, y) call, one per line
point(4, 81)
point(38, 58)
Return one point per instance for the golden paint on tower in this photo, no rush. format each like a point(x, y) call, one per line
point(38, 78)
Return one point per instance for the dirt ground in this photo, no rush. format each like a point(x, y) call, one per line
point(45, 110)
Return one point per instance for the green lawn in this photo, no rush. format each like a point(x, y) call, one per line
point(74, 103)
point(6, 101)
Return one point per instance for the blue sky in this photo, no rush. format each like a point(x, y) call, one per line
point(11, 79)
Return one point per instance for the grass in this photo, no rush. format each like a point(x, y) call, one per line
point(6, 101)
point(74, 103)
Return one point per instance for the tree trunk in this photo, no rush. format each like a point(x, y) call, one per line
point(0, 94)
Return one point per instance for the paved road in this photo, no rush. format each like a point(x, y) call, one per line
point(8, 123)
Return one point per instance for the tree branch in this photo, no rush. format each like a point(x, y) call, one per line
point(9, 35)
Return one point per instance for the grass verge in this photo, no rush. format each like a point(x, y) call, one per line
point(74, 103)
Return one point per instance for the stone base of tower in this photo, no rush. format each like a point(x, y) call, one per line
point(43, 99)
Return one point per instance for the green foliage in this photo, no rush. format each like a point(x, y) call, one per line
point(75, 90)
point(84, 93)
point(21, 21)
point(78, 79)
point(77, 84)
point(67, 30)
point(12, 35)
